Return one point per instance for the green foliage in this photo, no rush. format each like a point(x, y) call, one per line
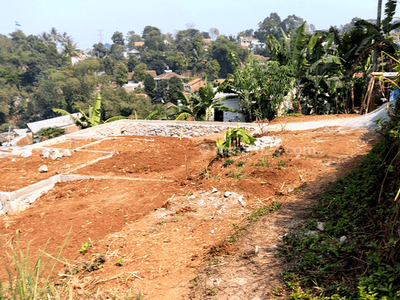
point(227, 162)
point(200, 105)
point(361, 208)
point(50, 132)
point(232, 142)
point(29, 277)
point(84, 247)
point(94, 117)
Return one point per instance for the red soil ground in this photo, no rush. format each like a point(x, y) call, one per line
point(151, 233)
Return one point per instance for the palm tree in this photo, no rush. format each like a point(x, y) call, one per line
point(70, 49)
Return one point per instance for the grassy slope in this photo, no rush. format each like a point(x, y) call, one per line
point(357, 254)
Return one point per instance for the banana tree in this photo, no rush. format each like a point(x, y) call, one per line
point(323, 57)
point(200, 106)
point(94, 117)
point(292, 52)
point(379, 34)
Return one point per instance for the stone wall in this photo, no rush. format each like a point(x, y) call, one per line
point(162, 128)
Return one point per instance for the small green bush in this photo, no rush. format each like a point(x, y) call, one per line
point(50, 132)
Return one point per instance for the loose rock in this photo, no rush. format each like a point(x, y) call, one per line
point(227, 194)
point(242, 203)
point(321, 226)
point(214, 190)
point(27, 153)
point(66, 153)
point(45, 153)
point(54, 154)
point(43, 169)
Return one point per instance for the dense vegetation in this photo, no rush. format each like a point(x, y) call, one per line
point(311, 70)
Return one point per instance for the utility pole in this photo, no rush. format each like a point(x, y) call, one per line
point(100, 31)
point(378, 24)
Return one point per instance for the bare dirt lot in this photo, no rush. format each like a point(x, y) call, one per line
point(163, 209)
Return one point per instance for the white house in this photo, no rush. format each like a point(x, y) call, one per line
point(231, 100)
point(251, 43)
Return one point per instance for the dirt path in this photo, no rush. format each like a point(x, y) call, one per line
point(255, 270)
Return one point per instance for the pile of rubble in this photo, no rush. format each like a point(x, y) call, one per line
point(264, 142)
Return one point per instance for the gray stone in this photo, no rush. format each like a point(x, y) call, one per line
point(321, 226)
point(26, 153)
point(54, 154)
point(66, 153)
point(227, 194)
point(43, 169)
point(45, 153)
point(199, 192)
point(342, 239)
point(201, 203)
point(214, 190)
point(192, 197)
point(242, 203)
point(206, 194)
point(311, 232)
point(211, 198)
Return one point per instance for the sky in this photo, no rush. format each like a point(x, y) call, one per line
point(83, 20)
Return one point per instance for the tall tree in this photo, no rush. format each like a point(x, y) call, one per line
point(118, 38)
point(69, 48)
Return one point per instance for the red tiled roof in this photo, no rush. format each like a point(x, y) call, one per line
point(194, 81)
point(152, 73)
point(221, 80)
point(169, 75)
point(138, 44)
point(206, 41)
point(169, 104)
point(261, 57)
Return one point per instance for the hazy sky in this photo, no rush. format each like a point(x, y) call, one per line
point(82, 19)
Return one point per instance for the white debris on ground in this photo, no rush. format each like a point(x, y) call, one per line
point(264, 142)
point(218, 206)
point(369, 120)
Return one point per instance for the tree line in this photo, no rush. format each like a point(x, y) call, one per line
point(36, 72)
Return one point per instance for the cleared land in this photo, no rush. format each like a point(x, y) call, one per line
point(153, 217)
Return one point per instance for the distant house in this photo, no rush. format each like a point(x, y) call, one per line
point(250, 43)
point(169, 105)
point(152, 73)
point(262, 59)
point(221, 80)
point(168, 75)
point(206, 43)
point(82, 56)
point(231, 100)
point(194, 85)
point(142, 95)
point(139, 44)
point(63, 121)
point(129, 53)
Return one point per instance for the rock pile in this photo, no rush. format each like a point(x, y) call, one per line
point(264, 142)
